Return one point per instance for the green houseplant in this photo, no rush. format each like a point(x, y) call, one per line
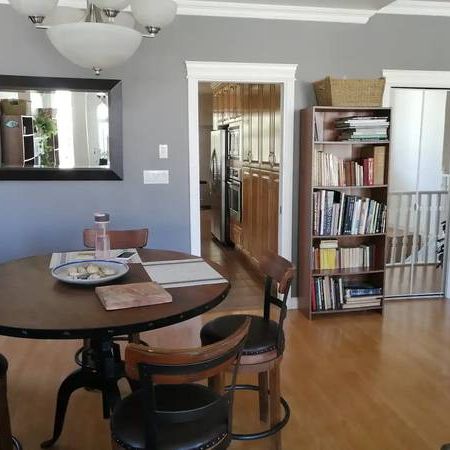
point(46, 129)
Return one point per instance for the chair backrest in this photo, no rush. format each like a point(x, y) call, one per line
point(6, 440)
point(179, 366)
point(119, 238)
point(279, 273)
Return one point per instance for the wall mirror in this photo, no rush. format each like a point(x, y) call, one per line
point(60, 129)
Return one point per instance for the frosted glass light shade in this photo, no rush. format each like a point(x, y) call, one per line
point(37, 8)
point(95, 45)
point(116, 5)
point(154, 13)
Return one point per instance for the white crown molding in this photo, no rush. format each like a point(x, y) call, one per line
point(414, 79)
point(272, 11)
point(212, 8)
point(243, 72)
point(417, 8)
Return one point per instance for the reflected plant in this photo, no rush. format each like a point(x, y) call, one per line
point(46, 128)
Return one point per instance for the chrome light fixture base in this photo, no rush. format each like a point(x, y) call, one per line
point(37, 20)
point(111, 13)
point(152, 31)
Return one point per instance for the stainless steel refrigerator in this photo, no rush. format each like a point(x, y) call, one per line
point(218, 169)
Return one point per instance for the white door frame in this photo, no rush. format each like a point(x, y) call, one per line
point(426, 79)
point(198, 71)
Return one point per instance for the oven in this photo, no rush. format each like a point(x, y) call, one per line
point(234, 187)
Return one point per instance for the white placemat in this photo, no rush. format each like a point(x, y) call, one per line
point(183, 272)
point(86, 255)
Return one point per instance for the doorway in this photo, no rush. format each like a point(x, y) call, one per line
point(240, 150)
point(418, 197)
point(253, 73)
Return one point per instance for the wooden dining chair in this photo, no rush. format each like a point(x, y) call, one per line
point(171, 410)
point(7, 441)
point(263, 351)
point(119, 239)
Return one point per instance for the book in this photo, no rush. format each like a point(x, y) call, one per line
point(123, 296)
point(378, 164)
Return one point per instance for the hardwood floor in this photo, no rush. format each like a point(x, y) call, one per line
point(246, 281)
point(354, 382)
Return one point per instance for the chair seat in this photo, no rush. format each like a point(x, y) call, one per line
point(127, 422)
point(262, 336)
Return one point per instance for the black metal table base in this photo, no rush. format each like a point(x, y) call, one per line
point(266, 433)
point(102, 368)
point(16, 444)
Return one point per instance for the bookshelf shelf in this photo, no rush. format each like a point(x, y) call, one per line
point(351, 142)
point(337, 159)
point(337, 188)
point(345, 272)
point(343, 311)
point(346, 236)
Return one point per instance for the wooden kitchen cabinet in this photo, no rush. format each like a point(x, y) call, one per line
point(276, 130)
point(259, 232)
point(256, 120)
point(246, 210)
point(246, 123)
point(266, 131)
point(273, 212)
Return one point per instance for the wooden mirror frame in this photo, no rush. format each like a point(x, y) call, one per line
point(114, 90)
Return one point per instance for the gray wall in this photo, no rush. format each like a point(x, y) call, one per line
point(38, 217)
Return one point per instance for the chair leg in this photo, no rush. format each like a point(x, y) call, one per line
point(5, 425)
point(275, 406)
point(217, 383)
point(263, 382)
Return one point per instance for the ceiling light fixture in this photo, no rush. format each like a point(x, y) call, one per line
point(96, 43)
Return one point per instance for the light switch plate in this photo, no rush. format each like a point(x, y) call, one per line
point(163, 151)
point(156, 177)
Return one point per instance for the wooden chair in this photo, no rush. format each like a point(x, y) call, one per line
point(171, 411)
point(7, 441)
point(263, 351)
point(118, 239)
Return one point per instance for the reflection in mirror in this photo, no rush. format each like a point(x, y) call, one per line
point(54, 129)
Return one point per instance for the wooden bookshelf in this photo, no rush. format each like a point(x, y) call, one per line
point(328, 142)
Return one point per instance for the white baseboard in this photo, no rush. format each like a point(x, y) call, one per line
point(292, 303)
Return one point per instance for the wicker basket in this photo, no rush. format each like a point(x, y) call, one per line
point(336, 92)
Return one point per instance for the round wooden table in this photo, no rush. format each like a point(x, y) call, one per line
point(34, 305)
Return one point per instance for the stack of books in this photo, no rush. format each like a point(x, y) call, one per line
point(330, 293)
point(336, 213)
point(329, 256)
point(362, 296)
point(329, 170)
point(362, 128)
